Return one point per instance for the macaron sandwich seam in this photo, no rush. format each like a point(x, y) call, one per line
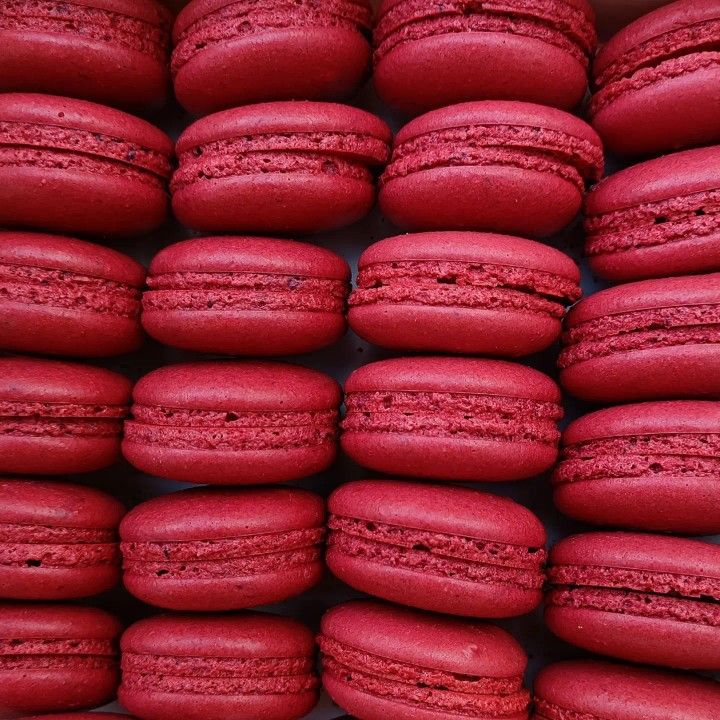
point(33, 285)
point(25, 418)
point(234, 21)
point(437, 553)
point(551, 21)
point(521, 146)
point(49, 146)
point(88, 23)
point(464, 284)
point(438, 414)
point(416, 686)
point(36, 653)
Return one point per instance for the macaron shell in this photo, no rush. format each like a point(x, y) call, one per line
point(109, 51)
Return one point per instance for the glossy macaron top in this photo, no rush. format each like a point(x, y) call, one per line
point(647, 295)
point(428, 641)
point(215, 514)
point(295, 121)
point(154, 146)
point(234, 254)
point(32, 380)
point(442, 509)
point(246, 636)
point(246, 386)
point(57, 622)
point(611, 691)
point(470, 247)
point(57, 505)
point(454, 375)
point(56, 252)
point(639, 552)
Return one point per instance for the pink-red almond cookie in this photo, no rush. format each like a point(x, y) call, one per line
point(452, 419)
point(217, 549)
point(61, 296)
point(472, 166)
point(246, 296)
point(231, 52)
point(430, 54)
point(284, 167)
point(647, 340)
point(462, 292)
point(447, 549)
point(233, 423)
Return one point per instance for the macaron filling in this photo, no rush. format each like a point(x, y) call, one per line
point(520, 146)
point(217, 676)
point(328, 154)
point(550, 21)
point(60, 419)
point(236, 21)
point(484, 286)
point(641, 330)
point(87, 23)
point(421, 687)
point(645, 593)
point(454, 415)
point(442, 554)
point(60, 148)
point(63, 288)
point(55, 654)
point(42, 546)
point(641, 456)
point(224, 557)
point(664, 57)
point(243, 291)
point(684, 218)
point(229, 430)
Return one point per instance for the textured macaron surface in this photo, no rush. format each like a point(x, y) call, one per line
point(317, 139)
point(588, 689)
point(423, 662)
point(565, 24)
point(669, 43)
point(509, 134)
point(645, 315)
point(643, 575)
point(226, 21)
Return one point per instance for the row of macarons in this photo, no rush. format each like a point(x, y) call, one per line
point(377, 660)
point(436, 547)
point(441, 292)
point(647, 80)
point(647, 465)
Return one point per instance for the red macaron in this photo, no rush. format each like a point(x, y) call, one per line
point(74, 166)
point(452, 419)
point(61, 296)
point(223, 549)
point(233, 423)
point(651, 466)
point(381, 661)
point(280, 167)
point(652, 339)
point(448, 549)
point(471, 166)
point(644, 598)
point(109, 51)
point(246, 296)
point(59, 418)
point(609, 691)
point(57, 541)
point(236, 667)
point(655, 219)
point(462, 292)
point(55, 658)
point(80, 716)
point(428, 54)
point(656, 81)
point(229, 53)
